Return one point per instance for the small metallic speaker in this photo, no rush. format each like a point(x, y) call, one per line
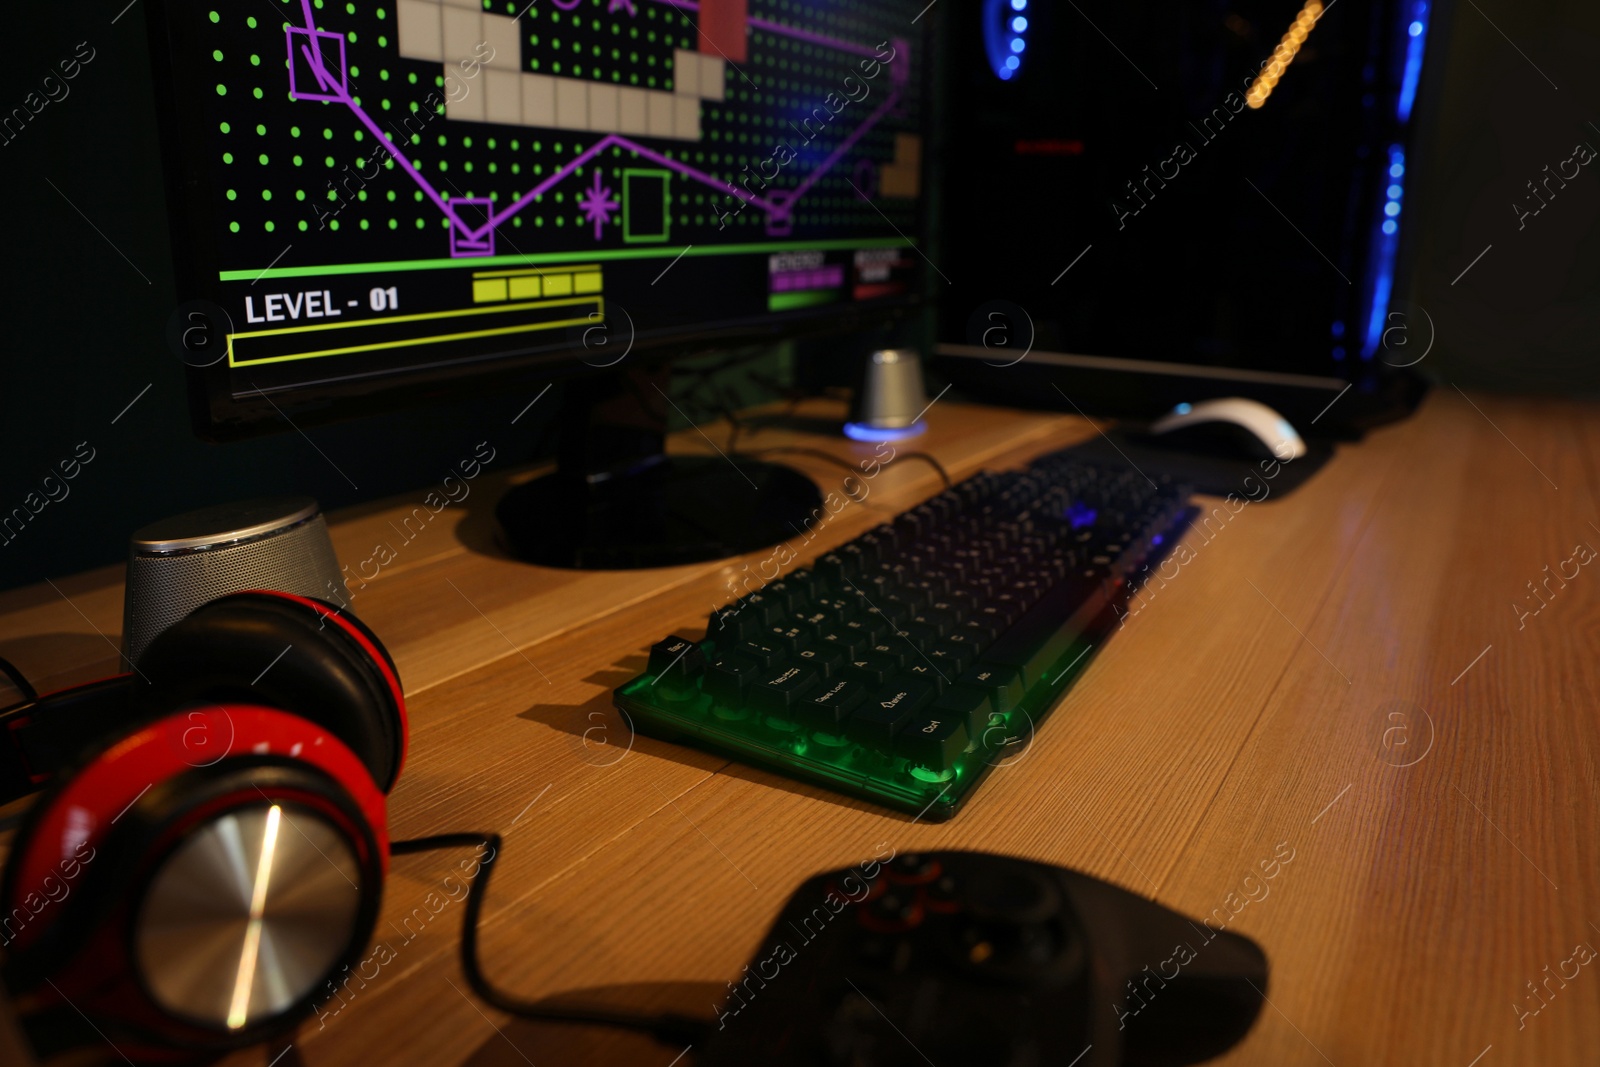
point(177, 564)
point(891, 399)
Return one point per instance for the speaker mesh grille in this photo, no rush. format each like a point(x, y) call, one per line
point(163, 589)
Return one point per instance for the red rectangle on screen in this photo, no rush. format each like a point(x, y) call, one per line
point(722, 29)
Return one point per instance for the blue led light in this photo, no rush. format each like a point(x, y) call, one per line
point(1338, 351)
point(1002, 37)
point(860, 431)
point(1385, 247)
point(1409, 79)
point(1183, 409)
point(1338, 327)
point(1397, 171)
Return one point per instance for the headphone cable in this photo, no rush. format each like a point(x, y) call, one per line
point(19, 681)
point(668, 1028)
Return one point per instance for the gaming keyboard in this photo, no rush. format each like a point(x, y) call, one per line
point(905, 665)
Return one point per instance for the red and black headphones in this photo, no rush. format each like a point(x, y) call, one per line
point(194, 876)
point(190, 880)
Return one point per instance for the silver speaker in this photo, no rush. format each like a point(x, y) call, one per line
point(891, 396)
point(177, 564)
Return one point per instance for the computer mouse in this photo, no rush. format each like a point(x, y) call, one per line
point(1231, 425)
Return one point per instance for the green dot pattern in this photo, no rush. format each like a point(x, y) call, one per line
point(267, 182)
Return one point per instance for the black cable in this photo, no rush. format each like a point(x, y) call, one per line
point(702, 374)
point(944, 475)
point(668, 1028)
point(19, 680)
point(817, 453)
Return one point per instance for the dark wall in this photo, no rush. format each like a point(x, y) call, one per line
point(1519, 94)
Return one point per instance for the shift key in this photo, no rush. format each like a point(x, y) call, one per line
point(886, 708)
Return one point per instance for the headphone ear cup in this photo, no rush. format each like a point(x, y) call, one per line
point(152, 816)
point(284, 652)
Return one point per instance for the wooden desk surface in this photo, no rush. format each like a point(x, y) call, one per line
point(1340, 676)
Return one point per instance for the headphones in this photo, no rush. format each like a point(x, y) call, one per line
point(190, 879)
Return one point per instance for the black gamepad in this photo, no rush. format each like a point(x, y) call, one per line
point(967, 958)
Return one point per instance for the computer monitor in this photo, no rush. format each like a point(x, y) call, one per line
point(1188, 200)
point(375, 200)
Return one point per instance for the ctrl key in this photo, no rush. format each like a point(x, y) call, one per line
point(933, 739)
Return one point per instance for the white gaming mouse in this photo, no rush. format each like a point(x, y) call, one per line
point(1236, 424)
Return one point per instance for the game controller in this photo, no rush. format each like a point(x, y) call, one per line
point(957, 958)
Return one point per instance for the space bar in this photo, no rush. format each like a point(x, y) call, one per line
point(1046, 630)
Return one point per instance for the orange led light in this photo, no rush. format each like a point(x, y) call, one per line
point(1284, 54)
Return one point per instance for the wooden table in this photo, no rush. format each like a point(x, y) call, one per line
point(1343, 676)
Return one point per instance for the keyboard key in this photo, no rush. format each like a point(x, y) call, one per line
point(728, 675)
point(810, 619)
point(875, 546)
point(838, 569)
point(786, 635)
point(759, 609)
point(968, 703)
point(841, 606)
point(676, 662)
point(803, 588)
point(918, 635)
point(826, 660)
point(856, 558)
point(933, 739)
point(781, 687)
point(893, 650)
point(872, 667)
point(915, 594)
point(763, 652)
point(865, 631)
point(959, 642)
point(849, 644)
point(829, 707)
point(728, 625)
point(885, 709)
point(929, 673)
point(980, 630)
point(950, 661)
point(1003, 684)
point(781, 593)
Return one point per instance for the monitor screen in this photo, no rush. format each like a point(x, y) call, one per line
point(383, 194)
point(1218, 183)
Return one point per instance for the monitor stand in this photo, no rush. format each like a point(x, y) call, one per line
point(617, 501)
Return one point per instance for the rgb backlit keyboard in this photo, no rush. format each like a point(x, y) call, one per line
point(903, 666)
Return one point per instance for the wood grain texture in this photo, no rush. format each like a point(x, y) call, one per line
point(1245, 711)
